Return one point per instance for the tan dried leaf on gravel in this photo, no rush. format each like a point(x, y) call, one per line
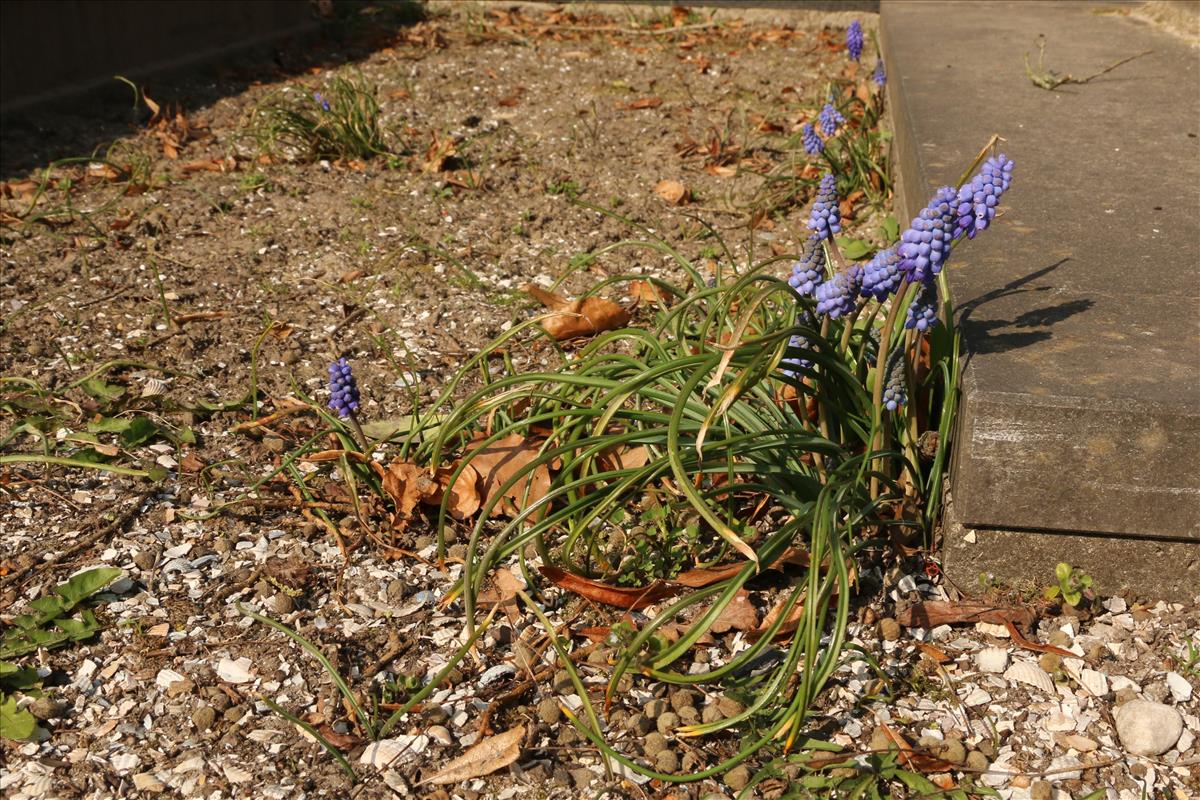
point(499, 462)
point(671, 192)
point(739, 615)
point(581, 317)
point(495, 752)
point(407, 485)
point(464, 495)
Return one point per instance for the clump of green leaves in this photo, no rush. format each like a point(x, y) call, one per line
point(340, 121)
point(53, 620)
point(1073, 586)
point(61, 434)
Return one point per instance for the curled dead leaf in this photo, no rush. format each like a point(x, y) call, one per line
point(499, 462)
point(618, 596)
point(739, 614)
point(581, 317)
point(495, 752)
point(408, 485)
point(672, 192)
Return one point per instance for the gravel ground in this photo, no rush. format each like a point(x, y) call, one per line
point(167, 700)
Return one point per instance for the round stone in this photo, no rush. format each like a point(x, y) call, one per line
point(549, 711)
point(668, 722)
point(889, 629)
point(738, 777)
point(1147, 728)
point(204, 717)
point(667, 761)
point(655, 743)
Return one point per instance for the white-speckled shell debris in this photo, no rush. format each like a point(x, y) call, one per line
point(1031, 675)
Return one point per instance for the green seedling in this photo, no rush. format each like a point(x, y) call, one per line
point(53, 621)
point(1073, 586)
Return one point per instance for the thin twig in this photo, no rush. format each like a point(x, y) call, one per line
point(100, 534)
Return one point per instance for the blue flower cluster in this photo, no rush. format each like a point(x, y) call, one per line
point(854, 40)
point(812, 143)
point(895, 393)
point(830, 118)
point(882, 275)
point(343, 389)
point(321, 101)
point(977, 200)
point(880, 76)
point(809, 272)
point(923, 313)
point(839, 296)
point(926, 244)
point(824, 219)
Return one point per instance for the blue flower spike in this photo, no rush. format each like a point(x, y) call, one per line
point(823, 220)
point(854, 40)
point(343, 389)
point(812, 142)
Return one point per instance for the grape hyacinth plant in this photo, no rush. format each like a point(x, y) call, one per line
point(895, 394)
point(881, 275)
point(809, 271)
point(923, 311)
point(880, 75)
point(839, 296)
point(977, 200)
point(812, 142)
point(854, 40)
point(926, 243)
point(823, 220)
point(830, 118)
point(343, 389)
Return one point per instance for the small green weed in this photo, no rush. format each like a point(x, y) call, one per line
point(1073, 586)
point(343, 121)
point(51, 622)
point(571, 189)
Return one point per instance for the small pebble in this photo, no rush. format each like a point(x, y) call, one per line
point(1041, 790)
point(654, 744)
point(582, 777)
point(45, 708)
point(668, 722)
point(681, 698)
point(562, 682)
point(204, 717)
point(639, 724)
point(689, 715)
point(738, 777)
point(889, 629)
point(549, 711)
point(1147, 728)
point(1050, 662)
point(951, 750)
point(977, 761)
point(711, 713)
point(655, 708)
point(730, 707)
point(667, 761)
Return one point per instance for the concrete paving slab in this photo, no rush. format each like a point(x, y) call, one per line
point(1081, 310)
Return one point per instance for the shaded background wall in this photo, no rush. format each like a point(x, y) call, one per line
point(51, 47)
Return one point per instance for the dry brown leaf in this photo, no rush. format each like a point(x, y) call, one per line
point(739, 615)
point(618, 596)
point(582, 317)
point(672, 192)
point(645, 102)
point(621, 457)
point(647, 292)
point(505, 594)
point(495, 752)
point(499, 461)
point(407, 485)
point(464, 495)
point(720, 171)
point(932, 613)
